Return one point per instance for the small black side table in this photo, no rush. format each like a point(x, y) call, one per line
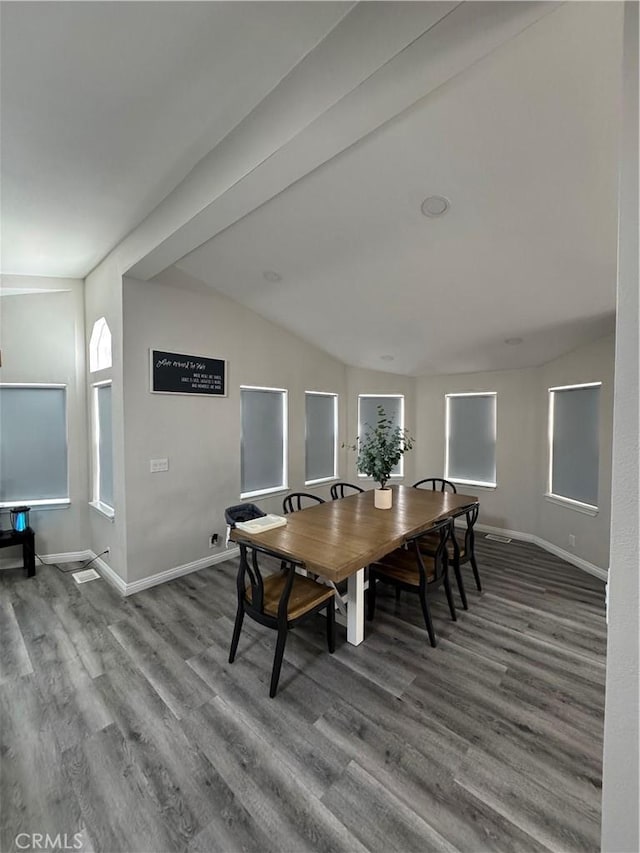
point(26, 538)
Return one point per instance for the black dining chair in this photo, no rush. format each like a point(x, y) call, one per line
point(278, 601)
point(460, 547)
point(414, 570)
point(436, 484)
point(340, 490)
point(299, 500)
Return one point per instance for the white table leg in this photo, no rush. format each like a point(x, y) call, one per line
point(355, 608)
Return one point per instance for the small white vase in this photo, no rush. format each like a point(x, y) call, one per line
point(382, 498)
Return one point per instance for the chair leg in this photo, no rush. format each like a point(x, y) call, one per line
point(398, 590)
point(236, 633)
point(476, 573)
point(460, 583)
point(331, 626)
point(447, 589)
point(371, 597)
point(277, 661)
point(427, 617)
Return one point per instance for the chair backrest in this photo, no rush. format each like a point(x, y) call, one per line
point(338, 490)
point(249, 574)
point(436, 484)
point(471, 513)
point(439, 556)
point(296, 501)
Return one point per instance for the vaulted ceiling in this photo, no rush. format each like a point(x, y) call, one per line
point(323, 127)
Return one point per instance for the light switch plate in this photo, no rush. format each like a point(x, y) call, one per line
point(156, 465)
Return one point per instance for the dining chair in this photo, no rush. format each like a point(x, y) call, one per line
point(340, 490)
point(296, 501)
point(460, 547)
point(414, 570)
point(278, 601)
point(436, 484)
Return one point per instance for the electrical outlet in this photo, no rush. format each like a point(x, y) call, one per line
point(107, 550)
point(213, 540)
point(572, 540)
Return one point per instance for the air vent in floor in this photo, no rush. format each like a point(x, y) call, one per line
point(87, 575)
point(495, 538)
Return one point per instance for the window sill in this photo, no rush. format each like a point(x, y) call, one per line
point(323, 482)
point(585, 509)
point(103, 509)
point(487, 487)
point(54, 503)
point(264, 493)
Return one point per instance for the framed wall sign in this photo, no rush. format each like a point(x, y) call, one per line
point(177, 373)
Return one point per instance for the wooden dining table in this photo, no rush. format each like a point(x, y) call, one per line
point(338, 539)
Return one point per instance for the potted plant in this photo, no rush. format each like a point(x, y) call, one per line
point(379, 451)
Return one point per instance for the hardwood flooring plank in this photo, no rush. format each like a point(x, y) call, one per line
point(14, 657)
point(291, 815)
point(175, 682)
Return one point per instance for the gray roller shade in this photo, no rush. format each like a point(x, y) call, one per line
point(320, 438)
point(471, 444)
point(33, 444)
point(105, 445)
point(368, 417)
point(575, 444)
point(262, 447)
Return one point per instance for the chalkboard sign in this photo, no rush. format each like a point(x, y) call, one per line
point(176, 373)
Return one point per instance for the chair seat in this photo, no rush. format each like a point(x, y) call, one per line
point(305, 595)
point(400, 565)
point(430, 541)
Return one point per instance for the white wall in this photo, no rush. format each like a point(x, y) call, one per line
point(518, 503)
point(171, 515)
point(103, 298)
point(510, 504)
point(592, 363)
point(621, 768)
point(42, 337)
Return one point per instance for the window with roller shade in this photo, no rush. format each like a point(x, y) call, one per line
point(263, 441)
point(470, 450)
point(393, 405)
point(574, 452)
point(102, 446)
point(321, 437)
point(33, 450)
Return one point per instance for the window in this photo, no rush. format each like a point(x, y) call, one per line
point(573, 443)
point(102, 447)
point(321, 437)
point(470, 450)
point(100, 346)
point(33, 451)
point(393, 405)
point(263, 442)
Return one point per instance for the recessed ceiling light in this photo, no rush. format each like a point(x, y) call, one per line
point(386, 358)
point(272, 276)
point(434, 205)
point(513, 341)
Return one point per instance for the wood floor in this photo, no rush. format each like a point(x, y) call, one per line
point(123, 721)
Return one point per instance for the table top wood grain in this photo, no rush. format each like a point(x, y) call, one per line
point(336, 538)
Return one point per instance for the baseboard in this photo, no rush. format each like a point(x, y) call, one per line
point(47, 559)
point(567, 556)
point(109, 575)
point(179, 571)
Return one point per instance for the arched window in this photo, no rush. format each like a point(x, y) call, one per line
point(100, 346)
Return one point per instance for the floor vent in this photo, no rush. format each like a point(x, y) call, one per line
point(87, 575)
point(495, 538)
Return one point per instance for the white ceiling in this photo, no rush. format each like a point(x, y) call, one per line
point(106, 107)
point(524, 145)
